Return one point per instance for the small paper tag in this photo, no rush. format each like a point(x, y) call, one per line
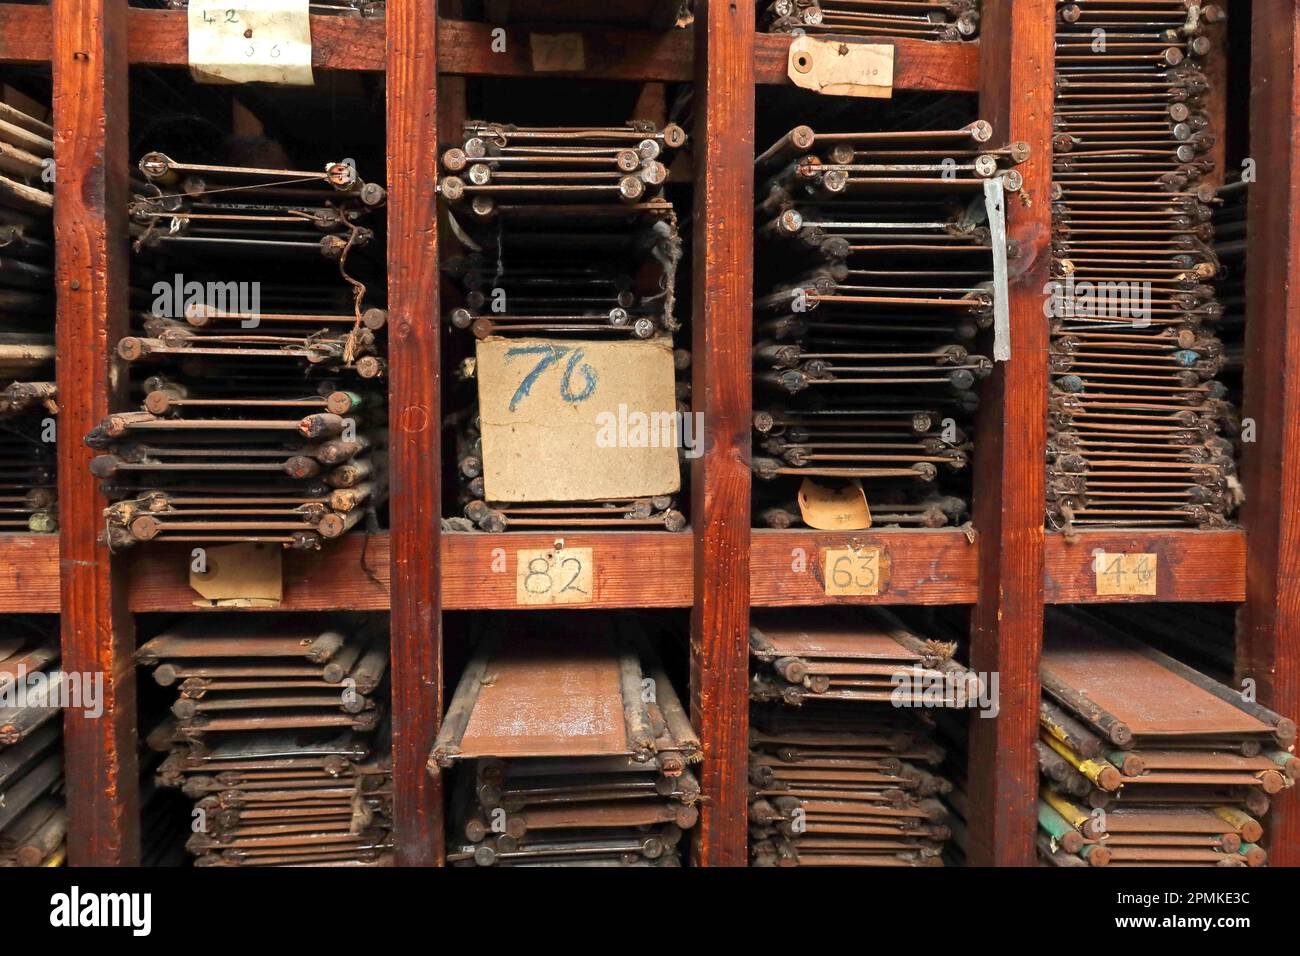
point(834, 509)
point(840, 68)
point(250, 41)
point(554, 52)
point(1125, 573)
point(549, 576)
point(851, 572)
point(240, 575)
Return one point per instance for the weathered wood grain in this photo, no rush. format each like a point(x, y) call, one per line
point(161, 38)
point(350, 574)
point(924, 567)
point(26, 34)
point(918, 64)
point(1016, 83)
point(414, 417)
point(29, 573)
point(1190, 565)
point(90, 150)
point(721, 336)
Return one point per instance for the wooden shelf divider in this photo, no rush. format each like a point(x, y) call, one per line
point(721, 342)
point(1016, 90)
point(414, 427)
point(102, 782)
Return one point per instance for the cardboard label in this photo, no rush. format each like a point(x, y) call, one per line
point(834, 509)
point(549, 576)
point(554, 52)
point(250, 41)
point(841, 68)
point(240, 575)
point(566, 420)
point(852, 572)
point(1125, 573)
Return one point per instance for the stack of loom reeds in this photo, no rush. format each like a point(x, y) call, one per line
point(848, 778)
point(914, 19)
point(279, 734)
point(27, 389)
point(886, 258)
point(1136, 414)
point(568, 239)
point(1147, 762)
point(263, 418)
point(33, 823)
point(581, 752)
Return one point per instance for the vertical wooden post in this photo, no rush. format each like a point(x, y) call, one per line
point(414, 417)
point(1016, 82)
point(722, 323)
point(91, 279)
point(1267, 641)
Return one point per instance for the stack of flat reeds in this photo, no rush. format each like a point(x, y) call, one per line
point(913, 19)
point(1136, 412)
point(865, 359)
point(581, 751)
point(1147, 762)
point(33, 824)
point(849, 778)
point(262, 419)
point(568, 240)
point(279, 734)
point(27, 390)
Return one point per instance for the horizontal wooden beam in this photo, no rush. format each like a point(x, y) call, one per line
point(631, 569)
point(161, 38)
point(467, 49)
point(29, 573)
point(349, 574)
point(654, 569)
point(26, 34)
point(917, 567)
point(918, 64)
point(1190, 565)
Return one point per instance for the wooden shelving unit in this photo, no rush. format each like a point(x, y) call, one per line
point(1007, 570)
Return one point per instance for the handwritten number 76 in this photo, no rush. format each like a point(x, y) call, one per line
point(548, 355)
